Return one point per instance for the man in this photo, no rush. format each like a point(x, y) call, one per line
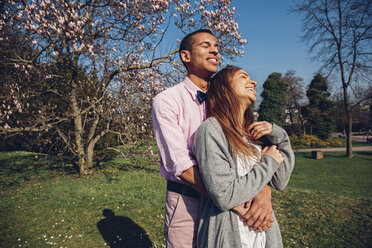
point(177, 113)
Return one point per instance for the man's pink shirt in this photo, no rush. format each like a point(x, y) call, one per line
point(176, 115)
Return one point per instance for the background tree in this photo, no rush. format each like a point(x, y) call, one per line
point(361, 115)
point(93, 63)
point(320, 112)
point(339, 32)
point(295, 98)
point(273, 99)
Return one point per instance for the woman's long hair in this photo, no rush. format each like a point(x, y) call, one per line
point(225, 107)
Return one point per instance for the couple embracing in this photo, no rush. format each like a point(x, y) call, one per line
point(219, 172)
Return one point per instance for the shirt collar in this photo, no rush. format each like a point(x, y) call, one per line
point(191, 88)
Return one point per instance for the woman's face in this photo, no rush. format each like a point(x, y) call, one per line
point(244, 88)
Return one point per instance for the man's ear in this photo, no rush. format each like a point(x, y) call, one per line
point(185, 56)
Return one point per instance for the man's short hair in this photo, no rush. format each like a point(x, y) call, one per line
point(187, 41)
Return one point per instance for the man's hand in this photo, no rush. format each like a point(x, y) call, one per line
point(241, 210)
point(192, 176)
point(259, 216)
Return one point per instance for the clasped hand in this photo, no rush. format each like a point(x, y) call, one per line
point(257, 212)
point(260, 128)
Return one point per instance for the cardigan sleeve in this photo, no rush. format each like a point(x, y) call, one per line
point(279, 137)
point(218, 170)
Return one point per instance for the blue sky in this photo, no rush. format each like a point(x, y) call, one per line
point(274, 40)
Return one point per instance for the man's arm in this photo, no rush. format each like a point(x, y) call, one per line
point(172, 145)
point(192, 177)
point(257, 211)
point(259, 215)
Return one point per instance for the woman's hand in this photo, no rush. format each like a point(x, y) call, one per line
point(273, 152)
point(259, 128)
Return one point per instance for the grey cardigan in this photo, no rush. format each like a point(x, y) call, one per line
point(218, 225)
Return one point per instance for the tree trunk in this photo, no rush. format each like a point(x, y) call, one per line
point(78, 132)
point(292, 121)
point(349, 129)
point(345, 85)
point(89, 159)
point(81, 164)
point(302, 121)
point(349, 122)
point(86, 160)
point(303, 129)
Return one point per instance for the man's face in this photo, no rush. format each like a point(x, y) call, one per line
point(204, 58)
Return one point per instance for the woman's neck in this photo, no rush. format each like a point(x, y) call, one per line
point(241, 116)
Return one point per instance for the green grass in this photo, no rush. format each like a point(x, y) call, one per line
point(67, 211)
point(44, 203)
point(328, 202)
point(334, 174)
point(357, 143)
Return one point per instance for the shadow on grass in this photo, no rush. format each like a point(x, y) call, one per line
point(33, 163)
point(365, 154)
point(337, 154)
point(127, 166)
point(360, 154)
point(122, 232)
point(16, 167)
point(143, 168)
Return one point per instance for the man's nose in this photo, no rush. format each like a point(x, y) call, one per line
point(214, 50)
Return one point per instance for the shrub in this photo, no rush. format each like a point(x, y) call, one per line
point(104, 155)
point(309, 141)
point(333, 141)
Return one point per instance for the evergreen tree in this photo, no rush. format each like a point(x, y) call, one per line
point(320, 110)
point(273, 99)
point(339, 36)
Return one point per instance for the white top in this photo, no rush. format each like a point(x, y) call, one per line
point(249, 239)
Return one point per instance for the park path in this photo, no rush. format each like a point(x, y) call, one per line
point(338, 149)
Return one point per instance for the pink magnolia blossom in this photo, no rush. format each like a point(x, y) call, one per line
point(115, 47)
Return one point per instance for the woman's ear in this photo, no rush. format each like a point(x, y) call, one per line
point(185, 56)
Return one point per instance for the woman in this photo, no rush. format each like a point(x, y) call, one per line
point(232, 165)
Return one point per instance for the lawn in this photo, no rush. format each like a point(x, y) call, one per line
point(44, 204)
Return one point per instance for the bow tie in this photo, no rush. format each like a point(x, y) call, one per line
point(201, 96)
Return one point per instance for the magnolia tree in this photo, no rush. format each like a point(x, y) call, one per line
point(94, 62)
